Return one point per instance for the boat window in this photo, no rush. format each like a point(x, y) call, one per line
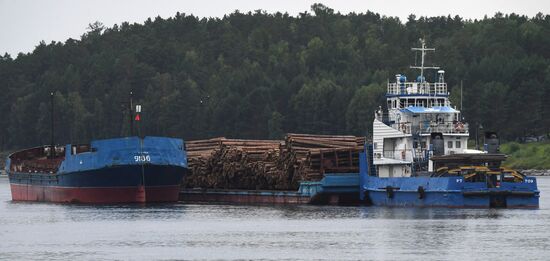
point(415, 144)
point(450, 144)
point(424, 103)
point(457, 144)
point(423, 144)
point(76, 149)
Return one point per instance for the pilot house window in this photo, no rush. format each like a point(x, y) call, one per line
point(450, 144)
point(457, 144)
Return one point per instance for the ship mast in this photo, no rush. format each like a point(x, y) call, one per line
point(423, 50)
point(52, 141)
point(131, 112)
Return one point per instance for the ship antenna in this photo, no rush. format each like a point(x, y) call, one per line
point(423, 50)
point(460, 96)
point(52, 144)
point(131, 115)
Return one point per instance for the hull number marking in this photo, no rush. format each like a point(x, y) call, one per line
point(142, 158)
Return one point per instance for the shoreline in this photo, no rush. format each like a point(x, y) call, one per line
point(535, 172)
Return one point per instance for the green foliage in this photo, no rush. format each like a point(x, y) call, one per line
point(527, 156)
point(320, 105)
point(360, 111)
point(257, 75)
point(275, 126)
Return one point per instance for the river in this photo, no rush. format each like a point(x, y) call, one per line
point(39, 231)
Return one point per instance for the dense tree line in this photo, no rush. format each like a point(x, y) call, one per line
point(259, 75)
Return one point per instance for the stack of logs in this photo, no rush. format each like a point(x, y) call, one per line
point(269, 164)
point(320, 154)
point(233, 164)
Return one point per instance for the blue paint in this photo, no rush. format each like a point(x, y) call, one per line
point(437, 109)
point(120, 162)
point(332, 183)
point(442, 191)
point(310, 188)
point(123, 151)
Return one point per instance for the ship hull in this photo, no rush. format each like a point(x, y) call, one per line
point(449, 192)
point(109, 185)
point(451, 200)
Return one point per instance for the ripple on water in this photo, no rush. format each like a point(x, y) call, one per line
point(178, 231)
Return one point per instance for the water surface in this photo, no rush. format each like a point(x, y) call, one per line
point(177, 231)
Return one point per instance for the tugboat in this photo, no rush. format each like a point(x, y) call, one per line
point(419, 154)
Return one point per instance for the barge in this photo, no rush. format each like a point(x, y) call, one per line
point(332, 189)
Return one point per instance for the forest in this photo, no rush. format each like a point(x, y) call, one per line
point(259, 75)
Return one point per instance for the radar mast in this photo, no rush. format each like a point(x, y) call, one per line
point(423, 50)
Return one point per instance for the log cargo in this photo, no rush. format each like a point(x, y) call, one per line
point(223, 163)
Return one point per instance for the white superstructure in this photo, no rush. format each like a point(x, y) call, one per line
point(418, 123)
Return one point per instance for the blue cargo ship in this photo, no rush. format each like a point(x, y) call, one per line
point(121, 170)
point(419, 155)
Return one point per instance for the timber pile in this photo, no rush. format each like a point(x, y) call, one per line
point(199, 153)
point(269, 164)
point(233, 164)
point(314, 155)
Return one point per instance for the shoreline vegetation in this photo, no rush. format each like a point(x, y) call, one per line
point(532, 158)
point(259, 75)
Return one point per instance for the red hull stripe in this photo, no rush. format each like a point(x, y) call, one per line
point(105, 195)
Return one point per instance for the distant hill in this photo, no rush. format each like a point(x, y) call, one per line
point(259, 75)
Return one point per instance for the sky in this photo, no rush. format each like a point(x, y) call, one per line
point(24, 23)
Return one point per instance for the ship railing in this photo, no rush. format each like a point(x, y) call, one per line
point(384, 117)
point(417, 155)
point(421, 88)
point(398, 154)
point(448, 127)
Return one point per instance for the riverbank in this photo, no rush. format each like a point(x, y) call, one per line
point(532, 157)
point(535, 172)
